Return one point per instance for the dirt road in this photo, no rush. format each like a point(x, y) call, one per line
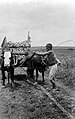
point(24, 101)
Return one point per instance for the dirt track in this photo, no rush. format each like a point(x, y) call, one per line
point(27, 102)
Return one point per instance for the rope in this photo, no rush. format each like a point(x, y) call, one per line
point(64, 42)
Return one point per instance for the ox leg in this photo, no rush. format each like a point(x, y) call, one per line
point(12, 75)
point(32, 73)
point(8, 71)
point(36, 74)
point(43, 76)
point(8, 77)
point(3, 77)
point(3, 72)
point(27, 72)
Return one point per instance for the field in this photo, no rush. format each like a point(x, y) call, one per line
point(28, 101)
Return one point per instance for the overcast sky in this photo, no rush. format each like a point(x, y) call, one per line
point(47, 20)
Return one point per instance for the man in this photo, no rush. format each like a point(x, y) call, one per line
point(52, 63)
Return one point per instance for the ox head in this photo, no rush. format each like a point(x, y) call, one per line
point(40, 63)
point(7, 56)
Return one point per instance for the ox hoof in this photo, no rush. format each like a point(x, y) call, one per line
point(35, 83)
point(55, 89)
point(12, 84)
point(3, 86)
point(8, 84)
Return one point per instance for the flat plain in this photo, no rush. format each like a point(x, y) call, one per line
point(26, 101)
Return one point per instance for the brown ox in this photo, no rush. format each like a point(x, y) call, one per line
point(36, 63)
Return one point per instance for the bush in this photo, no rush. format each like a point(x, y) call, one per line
point(66, 72)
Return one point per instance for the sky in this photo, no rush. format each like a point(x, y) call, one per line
point(47, 20)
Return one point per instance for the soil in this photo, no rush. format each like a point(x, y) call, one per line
point(25, 101)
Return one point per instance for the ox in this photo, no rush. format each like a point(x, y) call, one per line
point(37, 63)
point(6, 65)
